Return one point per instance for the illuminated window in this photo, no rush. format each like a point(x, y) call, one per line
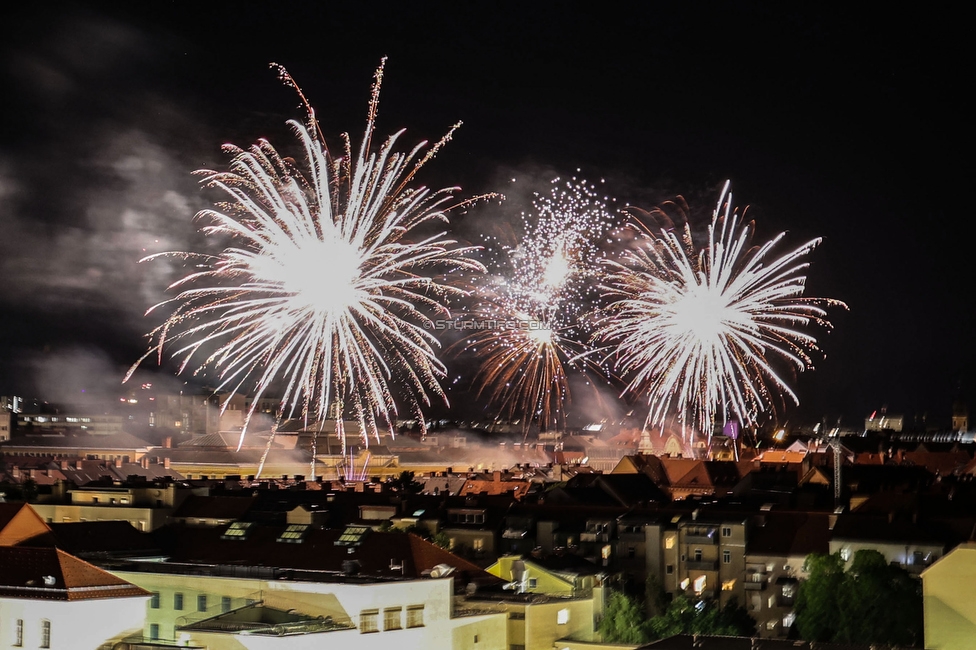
point(367, 621)
point(605, 552)
point(685, 583)
point(392, 617)
point(352, 536)
point(415, 616)
point(238, 530)
point(669, 542)
point(294, 533)
point(845, 553)
point(562, 617)
point(789, 590)
point(728, 585)
point(699, 584)
point(771, 624)
point(788, 619)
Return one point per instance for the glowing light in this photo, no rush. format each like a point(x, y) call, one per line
point(539, 286)
point(325, 287)
point(699, 330)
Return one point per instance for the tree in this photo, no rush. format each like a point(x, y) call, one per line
point(817, 605)
point(623, 620)
point(871, 602)
point(684, 616)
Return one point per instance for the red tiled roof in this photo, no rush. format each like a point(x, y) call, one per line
point(51, 574)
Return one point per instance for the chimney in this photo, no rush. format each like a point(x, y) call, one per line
point(168, 442)
point(64, 464)
point(496, 476)
point(118, 461)
point(166, 463)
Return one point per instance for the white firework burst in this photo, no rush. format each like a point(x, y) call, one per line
point(325, 292)
point(701, 332)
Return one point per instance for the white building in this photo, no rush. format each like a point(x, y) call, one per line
point(49, 599)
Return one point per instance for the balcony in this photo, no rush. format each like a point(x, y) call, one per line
point(700, 538)
point(755, 582)
point(701, 565)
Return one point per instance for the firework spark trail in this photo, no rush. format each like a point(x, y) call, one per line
point(539, 288)
point(699, 331)
point(321, 288)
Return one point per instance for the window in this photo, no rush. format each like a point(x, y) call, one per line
point(367, 621)
point(225, 603)
point(154, 631)
point(415, 616)
point(669, 542)
point(699, 584)
point(19, 633)
point(685, 583)
point(154, 600)
point(533, 583)
point(698, 555)
point(789, 619)
point(789, 590)
point(728, 585)
point(178, 601)
point(726, 531)
point(727, 556)
point(631, 551)
point(562, 617)
point(202, 603)
point(391, 618)
point(669, 569)
point(45, 634)
point(845, 553)
point(478, 544)
point(771, 624)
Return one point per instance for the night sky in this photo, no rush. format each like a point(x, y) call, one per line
point(831, 121)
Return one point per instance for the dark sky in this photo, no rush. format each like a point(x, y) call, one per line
point(832, 121)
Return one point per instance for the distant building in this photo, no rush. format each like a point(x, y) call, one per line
point(884, 422)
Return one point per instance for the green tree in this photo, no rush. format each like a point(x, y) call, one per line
point(817, 604)
point(871, 602)
point(623, 620)
point(684, 616)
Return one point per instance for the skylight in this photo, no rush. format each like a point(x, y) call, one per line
point(352, 536)
point(238, 530)
point(294, 533)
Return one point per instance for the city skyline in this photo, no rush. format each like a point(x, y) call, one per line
point(832, 123)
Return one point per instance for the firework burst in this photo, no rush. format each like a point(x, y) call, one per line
point(699, 331)
point(533, 302)
point(325, 289)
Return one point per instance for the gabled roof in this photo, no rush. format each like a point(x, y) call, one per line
point(19, 522)
point(52, 574)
